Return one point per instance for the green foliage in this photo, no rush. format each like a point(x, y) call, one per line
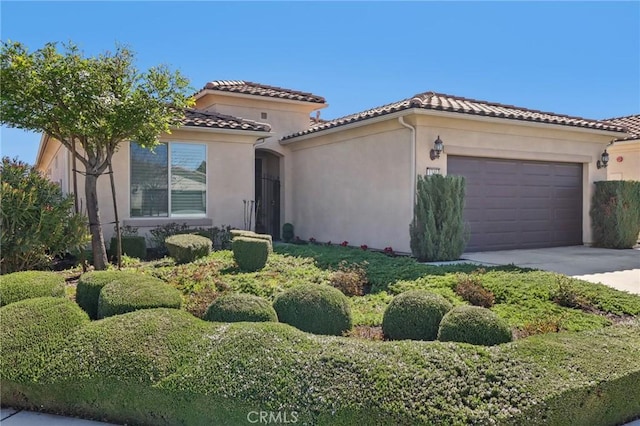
point(469, 287)
point(414, 315)
point(186, 248)
point(161, 232)
point(97, 102)
point(132, 246)
point(437, 230)
point(250, 253)
point(37, 221)
point(119, 297)
point(90, 284)
point(287, 232)
point(219, 236)
point(318, 309)
point(139, 368)
point(615, 214)
point(475, 325)
point(29, 284)
point(241, 233)
point(236, 307)
point(368, 310)
point(32, 332)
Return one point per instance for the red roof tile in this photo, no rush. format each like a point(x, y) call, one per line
point(214, 120)
point(631, 122)
point(456, 104)
point(250, 88)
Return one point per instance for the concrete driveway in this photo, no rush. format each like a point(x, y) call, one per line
point(616, 268)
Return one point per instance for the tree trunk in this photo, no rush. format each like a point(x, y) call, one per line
point(97, 239)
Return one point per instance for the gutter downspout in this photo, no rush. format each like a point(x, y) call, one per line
point(413, 159)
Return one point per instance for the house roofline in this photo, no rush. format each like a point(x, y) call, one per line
point(259, 134)
point(205, 92)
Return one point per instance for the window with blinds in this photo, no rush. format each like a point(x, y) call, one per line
point(170, 181)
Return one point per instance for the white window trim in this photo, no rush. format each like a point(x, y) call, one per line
point(169, 215)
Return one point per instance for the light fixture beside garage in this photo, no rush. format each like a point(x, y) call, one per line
point(438, 148)
point(604, 160)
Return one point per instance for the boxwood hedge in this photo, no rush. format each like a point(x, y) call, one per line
point(119, 297)
point(90, 284)
point(29, 284)
point(475, 325)
point(165, 367)
point(236, 307)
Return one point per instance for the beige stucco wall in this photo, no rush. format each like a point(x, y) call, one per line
point(356, 184)
point(624, 160)
point(284, 116)
point(230, 169)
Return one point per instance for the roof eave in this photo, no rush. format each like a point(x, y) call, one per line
point(243, 132)
point(204, 92)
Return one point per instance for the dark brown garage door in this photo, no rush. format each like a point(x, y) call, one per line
point(512, 204)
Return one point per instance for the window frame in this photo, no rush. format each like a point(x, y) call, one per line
point(169, 190)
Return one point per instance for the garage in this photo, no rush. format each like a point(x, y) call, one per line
point(517, 204)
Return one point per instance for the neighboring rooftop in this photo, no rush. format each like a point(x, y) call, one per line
point(443, 102)
point(250, 88)
point(214, 120)
point(631, 122)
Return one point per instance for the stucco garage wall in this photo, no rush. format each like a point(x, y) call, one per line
point(629, 167)
point(354, 185)
point(511, 139)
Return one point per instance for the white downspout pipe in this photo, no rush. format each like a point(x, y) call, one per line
point(413, 159)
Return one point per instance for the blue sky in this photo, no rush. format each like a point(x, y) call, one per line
point(575, 58)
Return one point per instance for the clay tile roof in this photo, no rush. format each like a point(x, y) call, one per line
point(214, 120)
point(249, 88)
point(631, 122)
point(442, 102)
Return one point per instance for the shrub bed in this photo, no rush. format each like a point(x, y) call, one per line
point(119, 297)
point(615, 213)
point(237, 307)
point(414, 315)
point(250, 253)
point(475, 325)
point(186, 248)
point(29, 284)
point(318, 309)
point(139, 368)
point(90, 284)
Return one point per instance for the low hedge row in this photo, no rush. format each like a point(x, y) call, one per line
point(141, 368)
point(29, 284)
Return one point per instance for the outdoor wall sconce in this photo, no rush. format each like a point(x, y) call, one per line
point(438, 148)
point(603, 161)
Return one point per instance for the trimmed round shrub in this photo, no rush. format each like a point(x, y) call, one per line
point(186, 248)
point(414, 315)
point(241, 233)
point(32, 331)
point(29, 284)
point(119, 297)
point(287, 232)
point(315, 308)
point(265, 237)
point(90, 284)
point(250, 253)
point(237, 307)
point(475, 325)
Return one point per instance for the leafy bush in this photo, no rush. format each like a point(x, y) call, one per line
point(90, 284)
point(287, 232)
point(186, 248)
point(437, 230)
point(219, 236)
point(350, 279)
point(318, 309)
point(32, 331)
point(250, 253)
point(236, 307)
point(37, 219)
point(132, 246)
point(414, 315)
point(469, 287)
point(615, 214)
point(475, 325)
point(567, 295)
point(161, 232)
point(119, 297)
point(30, 284)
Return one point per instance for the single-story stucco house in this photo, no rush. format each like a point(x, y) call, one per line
point(624, 154)
point(529, 173)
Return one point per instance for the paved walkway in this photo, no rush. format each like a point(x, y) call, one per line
point(11, 417)
point(619, 269)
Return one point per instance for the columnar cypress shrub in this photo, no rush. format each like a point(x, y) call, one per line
point(615, 214)
point(437, 230)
